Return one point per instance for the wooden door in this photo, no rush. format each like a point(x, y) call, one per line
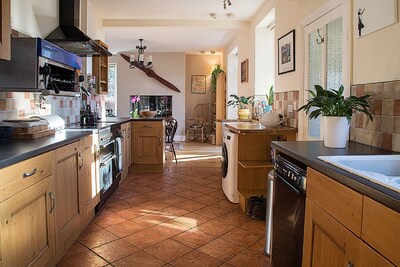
point(68, 211)
point(326, 241)
point(27, 226)
point(5, 30)
point(148, 139)
point(90, 188)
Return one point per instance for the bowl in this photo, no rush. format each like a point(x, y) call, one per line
point(148, 113)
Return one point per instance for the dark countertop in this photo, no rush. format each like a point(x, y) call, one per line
point(256, 127)
point(14, 151)
point(115, 119)
point(308, 151)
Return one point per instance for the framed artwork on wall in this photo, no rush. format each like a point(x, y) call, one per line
point(371, 16)
point(244, 71)
point(286, 53)
point(198, 84)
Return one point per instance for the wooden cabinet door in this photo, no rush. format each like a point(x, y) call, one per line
point(68, 210)
point(371, 258)
point(5, 30)
point(27, 226)
point(126, 147)
point(90, 188)
point(326, 241)
point(148, 143)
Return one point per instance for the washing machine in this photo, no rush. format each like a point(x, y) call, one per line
point(229, 166)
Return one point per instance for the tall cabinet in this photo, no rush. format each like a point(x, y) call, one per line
point(5, 30)
point(219, 108)
point(100, 70)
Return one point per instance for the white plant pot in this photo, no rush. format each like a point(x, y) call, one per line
point(336, 131)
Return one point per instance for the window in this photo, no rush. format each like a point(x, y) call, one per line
point(111, 97)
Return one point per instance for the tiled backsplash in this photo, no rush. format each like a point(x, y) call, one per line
point(384, 130)
point(16, 105)
point(281, 103)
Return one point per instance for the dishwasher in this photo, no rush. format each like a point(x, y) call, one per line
point(285, 223)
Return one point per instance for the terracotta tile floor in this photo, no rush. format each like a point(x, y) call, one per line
point(177, 216)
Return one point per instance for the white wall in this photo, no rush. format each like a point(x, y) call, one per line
point(170, 66)
point(35, 18)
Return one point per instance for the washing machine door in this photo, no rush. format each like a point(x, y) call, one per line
point(224, 161)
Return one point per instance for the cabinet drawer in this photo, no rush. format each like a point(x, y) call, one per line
point(341, 202)
point(147, 124)
point(20, 176)
point(381, 229)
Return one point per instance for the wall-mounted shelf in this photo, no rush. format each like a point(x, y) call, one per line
point(100, 71)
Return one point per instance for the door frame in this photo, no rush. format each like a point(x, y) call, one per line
point(344, 9)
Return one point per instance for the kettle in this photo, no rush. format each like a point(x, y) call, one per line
point(271, 119)
point(88, 118)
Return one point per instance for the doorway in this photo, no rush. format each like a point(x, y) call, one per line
point(232, 80)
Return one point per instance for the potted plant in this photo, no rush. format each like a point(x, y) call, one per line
point(217, 70)
point(270, 99)
point(242, 102)
point(336, 112)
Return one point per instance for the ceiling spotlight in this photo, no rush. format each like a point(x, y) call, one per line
point(213, 15)
point(202, 52)
point(229, 3)
point(212, 52)
point(229, 15)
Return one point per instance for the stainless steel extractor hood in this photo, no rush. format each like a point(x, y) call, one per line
point(69, 36)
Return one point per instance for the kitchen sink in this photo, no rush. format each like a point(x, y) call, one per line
point(381, 169)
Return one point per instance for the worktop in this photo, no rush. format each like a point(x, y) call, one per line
point(246, 127)
point(14, 151)
point(308, 151)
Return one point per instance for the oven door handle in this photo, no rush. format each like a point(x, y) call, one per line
point(103, 164)
point(106, 145)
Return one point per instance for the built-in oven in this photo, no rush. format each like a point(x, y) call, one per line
point(118, 138)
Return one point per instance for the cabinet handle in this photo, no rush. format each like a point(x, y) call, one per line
point(148, 126)
point(160, 141)
point(350, 263)
point(53, 202)
point(29, 174)
point(81, 158)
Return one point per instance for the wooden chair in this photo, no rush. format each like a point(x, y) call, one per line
point(198, 122)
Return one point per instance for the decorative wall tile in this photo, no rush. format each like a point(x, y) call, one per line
point(281, 103)
point(384, 130)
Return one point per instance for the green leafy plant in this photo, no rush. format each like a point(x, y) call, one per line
point(333, 103)
point(270, 96)
point(214, 75)
point(240, 101)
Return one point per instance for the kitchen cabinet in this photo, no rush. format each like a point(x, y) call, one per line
point(100, 70)
point(90, 185)
point(126, 148)
point(68, 210)
point(219, 108)
point(254, 156)
point(5, 30)
point(27, 222)
point(345, 228)
point(148, 142)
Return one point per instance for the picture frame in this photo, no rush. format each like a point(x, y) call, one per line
point(286, 53)
point(372, 16)
point(198, 84)
point(244, 71)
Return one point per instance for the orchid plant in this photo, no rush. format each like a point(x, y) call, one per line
point(135, 101)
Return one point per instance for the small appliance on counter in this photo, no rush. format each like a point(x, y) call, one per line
point(53, 121)
point(88, 117)
point(25, 128)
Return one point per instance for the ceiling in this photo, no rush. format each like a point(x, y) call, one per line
point(174, 25)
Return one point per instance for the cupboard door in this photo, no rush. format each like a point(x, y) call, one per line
point(148, 143)
point(90, 187)
point(27, 229)
point(371, 258)
point(326, 241)
point(5, 30)
point(68, 211)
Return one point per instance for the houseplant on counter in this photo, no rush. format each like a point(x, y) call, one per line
point(336, 112)
point(270, 99)
point(242, 102)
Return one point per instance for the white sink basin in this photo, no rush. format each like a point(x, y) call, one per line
point(381, 169)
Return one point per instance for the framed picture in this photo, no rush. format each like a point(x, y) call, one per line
point(371, 16)
point(244, 71)
point(286, 53)
point(198, 84)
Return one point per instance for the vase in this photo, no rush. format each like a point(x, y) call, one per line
point(335, 131)
point(244, 114)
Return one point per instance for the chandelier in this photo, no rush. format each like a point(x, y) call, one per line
point(139, 61)
point(227, 1)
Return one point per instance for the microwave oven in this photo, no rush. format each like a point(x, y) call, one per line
point(37, 65)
